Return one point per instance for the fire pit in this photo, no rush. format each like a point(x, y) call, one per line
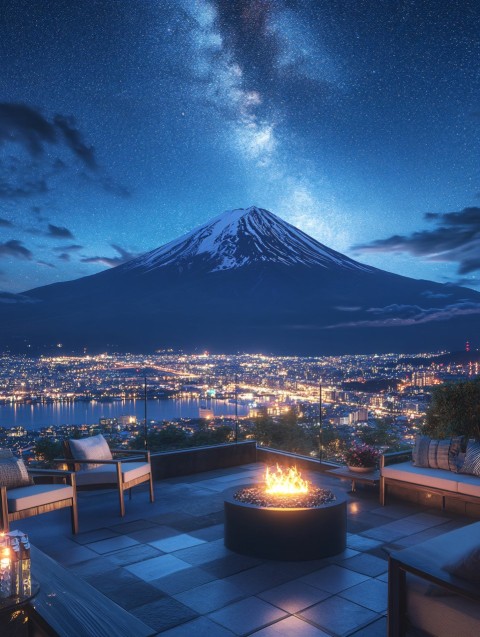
point(287, 519)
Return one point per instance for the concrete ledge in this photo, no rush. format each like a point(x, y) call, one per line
point(184, 462)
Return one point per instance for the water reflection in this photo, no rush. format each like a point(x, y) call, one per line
point(79, 413)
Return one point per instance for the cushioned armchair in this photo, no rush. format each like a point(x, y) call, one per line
point(21, 497)
point(95, 467)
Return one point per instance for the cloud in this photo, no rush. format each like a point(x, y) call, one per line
point(11, 297)
point(66, 251)
point(47, 264)
point(27, 188)
point(22, 124)
point(5, 223)
point(455, 239)
point(41, 149)
point(59, 232)
point(397, 315)
point(71, 248)
point(74, 141)
point(436, 295)
point(16, 249)
point(111, 262)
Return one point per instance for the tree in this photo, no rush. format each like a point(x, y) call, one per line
point(285, 433)
point(454, 410)
point(216, 436)
point(171, 437)
point(47, 449)
point(380, 434)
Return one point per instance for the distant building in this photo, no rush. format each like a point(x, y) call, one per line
point(124, 421)
point(361, 415)
point(108, 422)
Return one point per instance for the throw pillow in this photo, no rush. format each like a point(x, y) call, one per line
point(455, 460)
point(445, 453)
point(433, 453)
point(13, 473)
point(93, 448)
point(468, 566)
point(471, 464)
point(420, 451)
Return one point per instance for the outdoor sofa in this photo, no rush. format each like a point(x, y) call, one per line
point(444, 468)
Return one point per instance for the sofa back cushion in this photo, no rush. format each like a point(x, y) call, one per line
point(471, 464)
point(13, 473)
point(468, 566)
point(437, 454)
point(421, 451)
point(93, 448)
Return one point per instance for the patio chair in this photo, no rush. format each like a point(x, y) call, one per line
point(94, 466)
point(21, 497)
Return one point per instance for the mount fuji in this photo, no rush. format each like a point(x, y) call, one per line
point(245, 281)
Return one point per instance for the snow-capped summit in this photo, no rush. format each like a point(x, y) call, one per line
point(241, 237)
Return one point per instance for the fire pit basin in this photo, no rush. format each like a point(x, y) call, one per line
point(305, 533)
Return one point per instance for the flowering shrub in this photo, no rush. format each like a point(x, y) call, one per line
point(361, 456)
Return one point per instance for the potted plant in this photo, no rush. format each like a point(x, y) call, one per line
point(361, 458)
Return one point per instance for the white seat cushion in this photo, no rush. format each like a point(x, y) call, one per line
point(107, 473)
point(435, 478)
point(37, 495)
point(468, 484)
point(441, 616)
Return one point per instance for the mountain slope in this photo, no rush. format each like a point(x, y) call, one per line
point(248, 281)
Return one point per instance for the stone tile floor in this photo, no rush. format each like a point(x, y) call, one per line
point(167, 565)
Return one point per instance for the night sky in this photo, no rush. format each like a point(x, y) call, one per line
point(126, 123)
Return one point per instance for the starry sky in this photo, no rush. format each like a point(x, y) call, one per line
point(126, 123)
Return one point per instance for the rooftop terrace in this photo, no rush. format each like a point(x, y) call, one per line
point(166, 563)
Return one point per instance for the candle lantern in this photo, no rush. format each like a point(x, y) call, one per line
point(5, 572)
point(15, 571)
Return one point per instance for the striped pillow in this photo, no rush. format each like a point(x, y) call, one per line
point(471, 464)
point(447, 454)
point(421, 451)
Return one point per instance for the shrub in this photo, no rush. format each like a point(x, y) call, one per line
point(454, 410)
point(361, 456)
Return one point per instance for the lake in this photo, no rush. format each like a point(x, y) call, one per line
point(79, 413)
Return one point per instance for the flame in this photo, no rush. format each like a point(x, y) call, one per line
point(285, 482)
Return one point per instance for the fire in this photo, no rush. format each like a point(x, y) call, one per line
point(285, 481)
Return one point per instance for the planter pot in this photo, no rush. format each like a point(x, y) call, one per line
point(360, 469)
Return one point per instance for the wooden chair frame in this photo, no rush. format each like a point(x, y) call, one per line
point(120, 484)
point(402, 562)
point(65, 477)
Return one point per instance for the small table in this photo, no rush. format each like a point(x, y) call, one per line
point(344, 473)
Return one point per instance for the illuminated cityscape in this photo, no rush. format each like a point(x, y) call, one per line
point(356, 391)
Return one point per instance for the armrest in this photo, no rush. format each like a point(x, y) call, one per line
point(145, 455)
point(119, 461)
point(54, 473)
point(3, 508)
point(394, 455)
point(435, 574)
